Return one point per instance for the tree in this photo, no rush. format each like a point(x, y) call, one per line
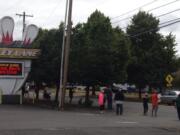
point(153, 55)
point(99, 53)
point(99, 38)
point(77, 55)
point(121, 55)
point(46, 67)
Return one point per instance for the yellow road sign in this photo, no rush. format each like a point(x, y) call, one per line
point(169, 78)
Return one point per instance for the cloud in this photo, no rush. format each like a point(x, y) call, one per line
point(49, 13)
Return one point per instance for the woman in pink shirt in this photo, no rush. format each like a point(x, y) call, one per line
point(101, 101)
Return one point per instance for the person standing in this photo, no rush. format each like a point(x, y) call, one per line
point(119, 99)
point(154, 100)
point(177, 105)
point(159, 97)
point(101, 101)
point(109, 98)
point(145, 103)
point(71, 92)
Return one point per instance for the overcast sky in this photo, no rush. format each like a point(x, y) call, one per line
point(49, 13)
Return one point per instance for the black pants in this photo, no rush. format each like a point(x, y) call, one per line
point(109, 104)
point(119, 109)
point(145, 107)
point(178, 112)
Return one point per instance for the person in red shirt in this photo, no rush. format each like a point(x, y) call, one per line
point(154, 101)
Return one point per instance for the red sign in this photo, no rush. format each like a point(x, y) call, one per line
point(11, 69)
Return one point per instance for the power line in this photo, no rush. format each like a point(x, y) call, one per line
point(163, 5)
point(13, 5)
point(101, 3)
point(122, 19)
point(145, 31)
point(147, 4)
point(153, 29)
point(147, 11)
point(170, 21)
point(162, 16)
point(52, 12)
point(54, 9)
point(162, 22)
point(156, 16)
point(169, 12)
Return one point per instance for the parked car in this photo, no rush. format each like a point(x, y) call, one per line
point(170, 96)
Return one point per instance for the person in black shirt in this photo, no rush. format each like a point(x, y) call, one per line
point(177, 105)
point(119, 98)
point(145, 103)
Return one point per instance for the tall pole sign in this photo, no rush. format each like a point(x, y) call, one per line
point(15, 58)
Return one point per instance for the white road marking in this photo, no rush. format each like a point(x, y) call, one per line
point(50, 129)
point(55, 129)
point(86, 114)
point(127, 122)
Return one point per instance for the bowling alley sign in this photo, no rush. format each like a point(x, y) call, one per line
point(15, 56)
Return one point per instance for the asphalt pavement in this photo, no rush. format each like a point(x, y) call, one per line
point(30, 120)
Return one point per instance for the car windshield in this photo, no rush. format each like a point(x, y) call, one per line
point(166, 93)
point(172, 93)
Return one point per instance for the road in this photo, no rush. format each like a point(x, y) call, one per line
point(28, 120)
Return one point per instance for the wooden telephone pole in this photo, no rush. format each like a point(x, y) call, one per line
point(65, 53)
point(24, 15)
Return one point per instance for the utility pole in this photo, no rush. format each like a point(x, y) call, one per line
point(24, 15)
point(62, 57)
point(65, 53)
